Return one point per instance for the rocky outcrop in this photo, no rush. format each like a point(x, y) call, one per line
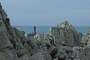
point(86, 39)
point(60, 43)
point(85, 51)
point(66, 34)
point(12, 41)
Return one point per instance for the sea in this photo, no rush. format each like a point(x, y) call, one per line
point(40, 29)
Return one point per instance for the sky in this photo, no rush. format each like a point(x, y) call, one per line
point(47, 12)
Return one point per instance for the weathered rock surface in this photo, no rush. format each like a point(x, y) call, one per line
point(11, 40)
point(37, 56)
point(85, 53)
point(86, 39)
point(66, 34)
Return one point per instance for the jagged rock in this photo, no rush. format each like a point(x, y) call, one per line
point(66, 34)
point(12, 41)
point(41, 39)
point(85, 52)
point(76, 52)
point(6, 47)
point(86, 39)
point(4, 40)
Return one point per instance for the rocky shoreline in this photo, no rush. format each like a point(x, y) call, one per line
point(62, 42)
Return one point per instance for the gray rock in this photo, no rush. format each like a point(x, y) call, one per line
point(66, 34)
point(40, 56)
point(37, 56)
point(85, 53)
point(12, 41)
point(8, 54)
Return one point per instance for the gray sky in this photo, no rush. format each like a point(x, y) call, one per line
point(47, 12)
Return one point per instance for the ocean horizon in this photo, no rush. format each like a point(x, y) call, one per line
point(29, 29)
